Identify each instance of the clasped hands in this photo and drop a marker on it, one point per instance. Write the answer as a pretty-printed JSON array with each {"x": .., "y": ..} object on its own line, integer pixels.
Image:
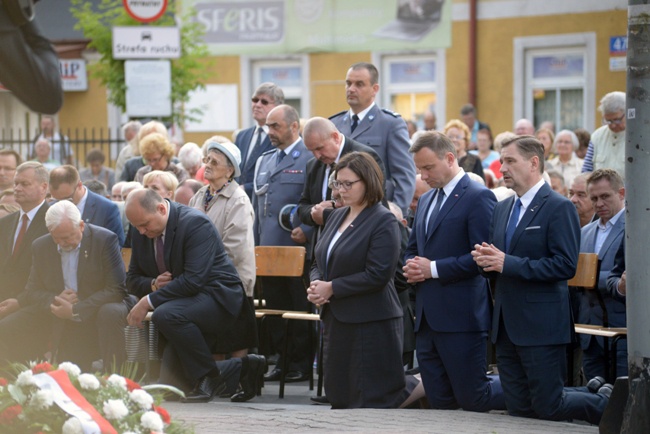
[
  {"x": 319, "y": 292},
  {"x": 61, "y": 307},
  {"x": 488, "y": 257},
  {"x": 417, "y": 269},
  {"x": 318, "y": 209}
]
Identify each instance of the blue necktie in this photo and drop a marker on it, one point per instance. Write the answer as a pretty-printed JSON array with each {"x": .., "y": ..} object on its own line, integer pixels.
[
  {"x": 512, "y": 223},
  {"x": 355, "y": 122},
  {"x": 440, "y": 197},
  {"x": 281, "y": 155}
]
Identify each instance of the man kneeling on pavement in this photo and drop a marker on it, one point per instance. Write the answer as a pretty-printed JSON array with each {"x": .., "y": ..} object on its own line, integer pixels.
[{"x": 181, "y": 271}]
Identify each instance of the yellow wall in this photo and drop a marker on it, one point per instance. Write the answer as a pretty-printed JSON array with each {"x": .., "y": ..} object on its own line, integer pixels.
[
  {"x": 494, "y": 86},
  {"x": 494, "y": 96}
]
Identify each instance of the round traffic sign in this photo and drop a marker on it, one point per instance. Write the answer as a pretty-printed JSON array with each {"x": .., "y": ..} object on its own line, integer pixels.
[{"x": 145, "y": 11}]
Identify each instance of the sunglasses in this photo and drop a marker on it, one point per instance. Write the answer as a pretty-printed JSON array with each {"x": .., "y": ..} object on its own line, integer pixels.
[{"x": 262, "y": 100}]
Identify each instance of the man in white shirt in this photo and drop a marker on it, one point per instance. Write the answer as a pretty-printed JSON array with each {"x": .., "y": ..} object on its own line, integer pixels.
[{"x": 600, "y": 306}]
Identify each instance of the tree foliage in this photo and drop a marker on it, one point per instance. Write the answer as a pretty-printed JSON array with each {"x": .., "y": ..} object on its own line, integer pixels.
[{"x": 188, "y": 72}]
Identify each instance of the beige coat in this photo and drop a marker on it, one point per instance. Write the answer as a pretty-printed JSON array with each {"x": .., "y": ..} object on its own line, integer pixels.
[{"x": 232, "y": 214}]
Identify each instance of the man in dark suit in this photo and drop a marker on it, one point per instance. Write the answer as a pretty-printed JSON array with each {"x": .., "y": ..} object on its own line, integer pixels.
[
  {"x": 531, "y": 252},
  {"x": 30, "y": 189},
  {"x": 381, "y": 129},
  {"x": 280, "y": 175},
  {"x": 181, "y": 270},
  {"x": 452, "y": 300},
  {"x": 74, "y": 299},
  {"x": 65, "y": 184},
  {"x": 606, "y": 191},
  {"x": 327, "y": 145},
  {"x": 254, "y": 141}
]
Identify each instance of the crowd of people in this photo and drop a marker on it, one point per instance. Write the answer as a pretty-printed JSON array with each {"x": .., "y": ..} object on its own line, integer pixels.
[{"x": 435, "y": 241}]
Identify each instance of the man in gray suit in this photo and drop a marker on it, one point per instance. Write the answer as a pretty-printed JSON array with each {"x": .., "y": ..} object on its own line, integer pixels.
[
  {"x": 280, "y": 175},
  {"x": 381, "y": 129},
  {"x": 606, "y": 190}
]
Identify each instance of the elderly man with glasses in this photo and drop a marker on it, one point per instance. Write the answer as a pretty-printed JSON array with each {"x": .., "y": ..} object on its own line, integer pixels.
[
  {"x": 607, "y": 146},
  {"x": 254, "y": 141}
]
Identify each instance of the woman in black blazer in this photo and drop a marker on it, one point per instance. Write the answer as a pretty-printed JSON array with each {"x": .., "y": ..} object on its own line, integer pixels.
[{"x": 352, "y": 280}]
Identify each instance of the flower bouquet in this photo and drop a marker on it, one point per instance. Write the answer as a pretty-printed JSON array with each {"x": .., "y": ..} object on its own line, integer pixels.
[{"x": 45, "y": 399}]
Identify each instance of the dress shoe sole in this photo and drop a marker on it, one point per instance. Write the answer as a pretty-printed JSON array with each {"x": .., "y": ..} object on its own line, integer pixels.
[
  {"x": 303, "y": 377},
  {"x": 257, "y": 370}
]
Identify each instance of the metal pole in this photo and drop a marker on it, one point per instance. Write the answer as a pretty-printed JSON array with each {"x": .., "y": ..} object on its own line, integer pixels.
[{"x": 636, "y": 418}]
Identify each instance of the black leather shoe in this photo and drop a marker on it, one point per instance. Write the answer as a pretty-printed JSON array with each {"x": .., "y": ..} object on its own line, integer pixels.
[
  {"x": 320, "y": 400},
  {"x": 274, "y": 375},
  {"x": 206, "y": 389},
  {"x": 606, "y": 390},
  {"x": 295, "y": 376},
  {"x": 595, "y": 383},
  {"x": 251, "y": 380}
]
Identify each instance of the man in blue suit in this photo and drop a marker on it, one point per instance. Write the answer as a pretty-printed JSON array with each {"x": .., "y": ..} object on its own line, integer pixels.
[
  {"x": 254, "y": 141},
  {"x": 381, "y": 129},
  {"x": 606, "y": 190},
  {"x": 452, "y": 299},
  {"x": 65, "y": 184},
  {"x": 280, "y": 175},
  {"x": 531, "y": 253}
]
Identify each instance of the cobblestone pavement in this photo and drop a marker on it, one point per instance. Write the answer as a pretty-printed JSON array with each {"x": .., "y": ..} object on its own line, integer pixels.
[{"x": 295, "y": 413}]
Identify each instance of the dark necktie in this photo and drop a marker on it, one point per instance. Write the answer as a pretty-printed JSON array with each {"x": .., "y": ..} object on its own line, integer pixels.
[
  {"x": 160, "y": 255},
  {"x": 281, "y": 155},
  {"x": 21, "y": 233},
  {"x": 258, "y": 142},
  {"x": 439, "y": 198},
  {"x": 355, "y": 122},
  {"x": 512, "y": 223}
]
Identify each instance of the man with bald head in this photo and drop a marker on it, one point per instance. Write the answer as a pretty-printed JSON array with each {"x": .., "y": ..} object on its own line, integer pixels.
[
  {"x": 280, "y": 175},
  {"x": 182, "y": 272},
  {"x": 524, "y": 127},
  {"x": 328, "y": 145}
]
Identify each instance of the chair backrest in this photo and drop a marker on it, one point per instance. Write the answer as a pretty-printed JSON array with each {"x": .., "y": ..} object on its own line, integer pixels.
[
  {"x": 126, "y": 257},
  {"x": 279, "y": 260},
  {"x": 587, "y": 271}
]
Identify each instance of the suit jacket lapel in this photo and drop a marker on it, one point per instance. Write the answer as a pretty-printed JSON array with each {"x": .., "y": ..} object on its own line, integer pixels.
[
  {"x": 84, "y": 253},
  {"x": 89, "y": 209},
  {"x": 350, "y": 231},
  {"x": 421, "y": 220},
  {"x": 170, "y": 233},
  {"x": 529, "y": 213},
  {"x": 451, "y": 201},
  {"x": 616, "y": 230}
]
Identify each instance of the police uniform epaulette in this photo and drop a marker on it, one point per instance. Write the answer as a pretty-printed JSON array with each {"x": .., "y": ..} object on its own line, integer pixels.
[
  {"x": 392, "y": 113},
  {"x": 271, "y": 151},
  {"x": 339, "y": 114}
]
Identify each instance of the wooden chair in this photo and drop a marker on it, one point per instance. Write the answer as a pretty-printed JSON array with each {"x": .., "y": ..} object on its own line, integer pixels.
[
  {"x": 282, "y": 261},
  {"x": 126, "y": 257},
  {"x": 289, "y": 316},
  {"x": 587, "y": 278}
]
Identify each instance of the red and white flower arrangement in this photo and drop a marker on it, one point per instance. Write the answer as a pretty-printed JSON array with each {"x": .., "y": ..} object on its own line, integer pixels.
[{"x": 48, "y": 399}]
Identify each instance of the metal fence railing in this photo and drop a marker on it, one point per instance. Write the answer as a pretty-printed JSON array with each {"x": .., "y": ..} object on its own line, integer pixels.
[{"x": 79, "y": 141}]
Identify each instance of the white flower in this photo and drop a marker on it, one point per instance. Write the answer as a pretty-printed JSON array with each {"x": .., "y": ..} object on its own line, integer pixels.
[
  {"x": 42, "y": 399},
  {"x": 72, "y": 369},
  {"x": 72, "y": 426},
  {"x": 117, "y": 380},
  {"x": 115, "y": 409},
  {"x": 142, "y": 398},
  {"x": 152, "y": 420},
  {"x": 88, "y": 382},
  {"x": 25, "y": 378}
]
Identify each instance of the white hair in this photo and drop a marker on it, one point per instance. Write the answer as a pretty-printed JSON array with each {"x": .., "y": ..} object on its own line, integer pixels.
[
  {"x": 128, "y": 187},
  {"x": 574, "y": 139},
  {"x": 190, "y": 155},
  {"x": 60, "y": 211},
  {"x": 613, "y": 102}
]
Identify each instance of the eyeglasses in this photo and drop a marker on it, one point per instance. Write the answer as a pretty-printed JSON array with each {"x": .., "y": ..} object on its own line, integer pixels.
[
  {"x": 212, "y": 162},
  {"x": 344, "y": 185},
  {"x": 262, "y": 100},
  {"x": 456, "y": 138},
  {"x": 615, "y": 121},
  {"x": 151, "y": 161}
]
